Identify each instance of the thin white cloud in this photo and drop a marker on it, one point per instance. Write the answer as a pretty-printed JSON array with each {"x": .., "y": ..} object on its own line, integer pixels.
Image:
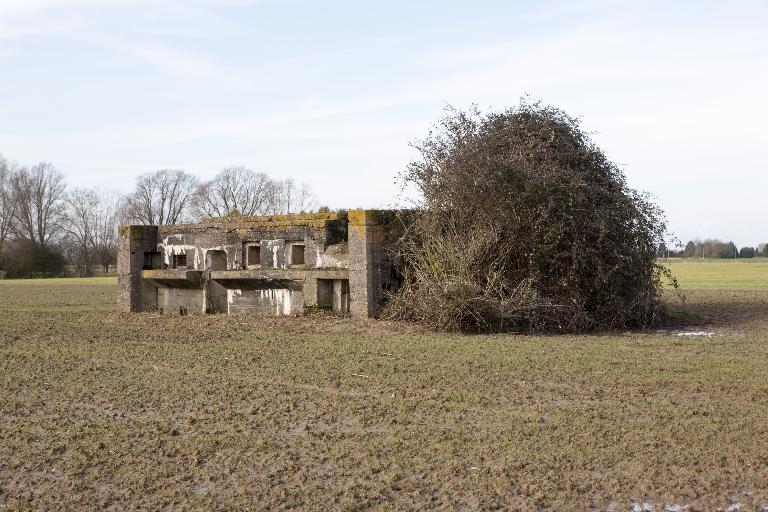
[
  {"x": 679, "y": 106},
  {"x": 161, "y": 55},
  {"x": 37, "y": 6},
  {"x": 25, "y": 18}
]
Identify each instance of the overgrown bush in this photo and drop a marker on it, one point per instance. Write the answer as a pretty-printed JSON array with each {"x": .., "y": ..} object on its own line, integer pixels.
[{"x": 524, "y": 224}]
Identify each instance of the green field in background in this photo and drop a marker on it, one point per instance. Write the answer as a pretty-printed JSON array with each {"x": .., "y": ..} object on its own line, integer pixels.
[
  {"x": 61, "y": 281},
  {"x": 693, "y": 274},
  {"x": 720, "y": 275}
]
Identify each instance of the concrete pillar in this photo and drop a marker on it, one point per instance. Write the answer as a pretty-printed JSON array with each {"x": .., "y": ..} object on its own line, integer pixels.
[
  {"x": 366, "y": 236},
  {"x": 340, "y": 296},
  {"x": 133, "y": 294},
  {"x": 310, "y": 290},
  {"x": 313, "y": 248}
]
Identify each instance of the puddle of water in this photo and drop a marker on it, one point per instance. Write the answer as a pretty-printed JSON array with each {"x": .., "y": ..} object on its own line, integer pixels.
[{"x": 696, "y": 333}]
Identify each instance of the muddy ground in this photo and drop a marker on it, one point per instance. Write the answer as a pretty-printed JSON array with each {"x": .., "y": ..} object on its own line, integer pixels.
[{"x": 100, "y": 410}]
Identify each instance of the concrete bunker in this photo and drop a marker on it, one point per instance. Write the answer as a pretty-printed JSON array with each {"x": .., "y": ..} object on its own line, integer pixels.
[{"x": 272, "y": 265}]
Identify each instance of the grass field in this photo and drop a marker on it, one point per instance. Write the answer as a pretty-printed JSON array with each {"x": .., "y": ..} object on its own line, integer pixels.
[
  {"x": 721, "y": 275},
  {"x": 100, "y": 410}
]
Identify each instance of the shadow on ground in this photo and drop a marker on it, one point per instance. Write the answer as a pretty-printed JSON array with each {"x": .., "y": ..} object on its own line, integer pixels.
[{"x": 745, "y": 311}]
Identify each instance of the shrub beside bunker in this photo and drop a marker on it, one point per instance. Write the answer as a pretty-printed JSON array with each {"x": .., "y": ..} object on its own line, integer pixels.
[{"x": 524, "y": 224}]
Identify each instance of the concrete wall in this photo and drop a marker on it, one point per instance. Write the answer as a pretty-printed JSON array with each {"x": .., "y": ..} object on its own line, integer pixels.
[
  {"x": 333, "y": 294},
  {"x": 371, "y": 271},
  {"x": 174, "y": 300},
  {"x": 267, "y": 302},
  {"x": 133, "y": 294},
  {"x": 347, "y": 249}
]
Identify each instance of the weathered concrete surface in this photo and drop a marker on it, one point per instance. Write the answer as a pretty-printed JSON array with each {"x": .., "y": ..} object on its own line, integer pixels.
[
  {"x": 173, "y": 278},
  {"x": 334, "y": 260},
  {"x": 267, "y": 302},
  {"x": 371, "y": 271},
  {"x": 181, "y": 300},
  {"x": 133, "y": 293}
]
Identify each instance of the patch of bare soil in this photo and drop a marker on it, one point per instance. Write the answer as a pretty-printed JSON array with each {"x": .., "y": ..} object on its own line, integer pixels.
[
  {"x": 744, "y": 312},
  {"x": 100, "y": 410}
]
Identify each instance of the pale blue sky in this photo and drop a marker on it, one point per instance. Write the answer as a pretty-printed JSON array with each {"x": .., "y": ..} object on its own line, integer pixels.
[{"x": 331, "y": 92}]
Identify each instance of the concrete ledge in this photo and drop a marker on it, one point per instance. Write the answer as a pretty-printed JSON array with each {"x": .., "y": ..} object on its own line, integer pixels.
[
  {"x": 174, "y": 278},
  {"x": 266, "y": 278}
]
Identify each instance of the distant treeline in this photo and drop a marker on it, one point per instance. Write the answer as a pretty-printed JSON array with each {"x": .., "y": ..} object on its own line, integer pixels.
[
  {"x": 50, "y": 229},
  {"x": 713, "y": 248}
]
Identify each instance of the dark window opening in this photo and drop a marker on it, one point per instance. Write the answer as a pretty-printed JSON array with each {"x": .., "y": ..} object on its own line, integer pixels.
[
  {"x": 297, "y": 254},
  {"x": 325, "y": 293},
  {"x": 152, "y": 260},
  {"x": 254, "y": 255},
  {"x": 179, "y": 261},
  {"x": 333, "y": 294}
]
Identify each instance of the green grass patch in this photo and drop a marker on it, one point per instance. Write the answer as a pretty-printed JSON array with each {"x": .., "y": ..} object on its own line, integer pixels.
[
  {"x": 720, "y": 275},
  {"x": 62, "y": 281},
  {"x": 59, "y": 295}
]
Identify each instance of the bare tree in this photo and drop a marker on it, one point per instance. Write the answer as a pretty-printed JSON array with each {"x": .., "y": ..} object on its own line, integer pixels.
[
  {"x": 91, "y": 229},
  {"x": 235, "y": 189},
  {"x": 80, "y": 226},
  {"x": 7, "y": 202},
  {"x": 38, "y": 194},
  {"x": 105, "y": 233},
  {"x": 290, "y": 197},
  {"x": 161, "y": 197}
]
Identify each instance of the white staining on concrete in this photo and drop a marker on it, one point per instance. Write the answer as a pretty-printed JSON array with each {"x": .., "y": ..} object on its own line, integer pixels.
[
  {"x": 275, "y": 301},
  {"x": 270, "y": 301},
  {"x": 196, "y": 254},
  {"x": 169, "y": 251},
  {"x": 335, "y": 256},
  {"x": 229, "y": 250},
  {"x": 232, "y": 294},
  {"x": 675, "y": 508}
]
